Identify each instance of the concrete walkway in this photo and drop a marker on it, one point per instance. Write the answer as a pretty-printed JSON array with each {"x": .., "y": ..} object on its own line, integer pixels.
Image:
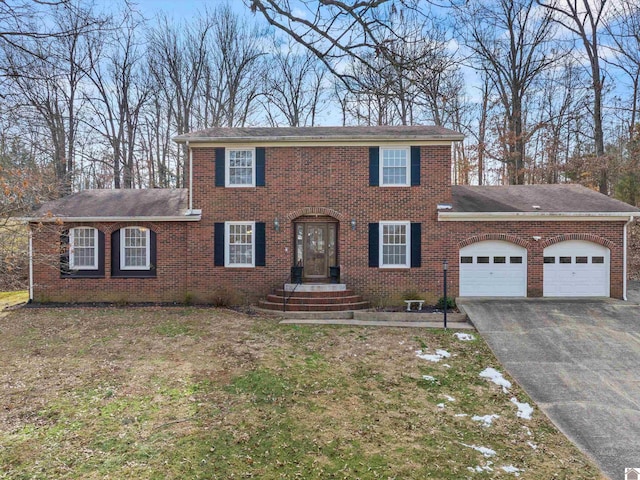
[{"x": 579, "y": 360}]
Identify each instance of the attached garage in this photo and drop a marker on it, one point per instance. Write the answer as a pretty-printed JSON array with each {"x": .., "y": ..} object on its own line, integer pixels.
[
  {"x": 493, "y": 268},
  {"x": 576, "y": 268}
]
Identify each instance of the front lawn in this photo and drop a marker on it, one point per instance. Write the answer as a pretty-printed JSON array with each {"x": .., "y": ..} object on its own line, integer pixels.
[{"x": 189, "y": 393}]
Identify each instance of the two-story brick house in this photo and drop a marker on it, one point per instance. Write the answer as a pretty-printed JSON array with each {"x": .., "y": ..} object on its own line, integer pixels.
[{"x": 372, "y": 208}]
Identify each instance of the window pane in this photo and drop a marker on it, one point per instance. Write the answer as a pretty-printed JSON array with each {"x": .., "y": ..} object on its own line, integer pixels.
[
  {"x": 483, "y": 260},
  {"x": 466, "y": 259},
  {"x": 241, "y": 244},
  {"x": 394, "y": 167},
  {"x": 499, "y": 260},
  {"x": 582, "y": 259},
  {"x": 565, "y": 260},
  {"x": 394, "y": 244},
  {"x": 83, "y": 248},
  {"x": 515, "y": 259},
  {"x": 135, "y": 247},
  {"x": 240, "y": 167},
  {"x": 597, "y": 259},
  {"x": 549, "y": 259}
]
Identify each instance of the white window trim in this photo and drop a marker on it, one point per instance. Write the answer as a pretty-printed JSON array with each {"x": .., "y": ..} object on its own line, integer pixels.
[
  {"x": 147, "y": 265},
  {"x": 227, "y": 249},
  {"x": 381, "y": 167},
  {"x": 72, "y": 246},
  {"x": 407, "y": 263},
  {"x": 227, "y": 167}
]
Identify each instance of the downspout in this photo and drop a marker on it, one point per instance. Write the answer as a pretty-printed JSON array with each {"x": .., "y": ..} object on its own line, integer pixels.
[
  {"x": 624, "y": 259},
  {"x": 190, "y": 178},
  {"x": 30, "y": 264}
]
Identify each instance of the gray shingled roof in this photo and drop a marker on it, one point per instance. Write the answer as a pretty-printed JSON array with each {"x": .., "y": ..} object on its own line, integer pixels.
[
  {"x": 257, "y": 134},
  {"x": 121, "y": 203},
  {"x": 522, "y": 198}
]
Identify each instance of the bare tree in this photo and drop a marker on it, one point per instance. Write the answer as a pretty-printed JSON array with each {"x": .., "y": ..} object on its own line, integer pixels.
[
  {"x": 510, "y": 43},
  {"x": 584, "y": 18},
  {"x": 294, "y": 85},
  {"x": 177, "y": 60},
  {"x": 122, "y": 88},
  {"x": 46, "y": 76},
  {"x": 624, "y": 31}
]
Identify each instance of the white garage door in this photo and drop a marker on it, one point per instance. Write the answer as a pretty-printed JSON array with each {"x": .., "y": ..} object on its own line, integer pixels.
[
  {"x": 493, "y": 269},
  {"x": 576, "y": 268}
]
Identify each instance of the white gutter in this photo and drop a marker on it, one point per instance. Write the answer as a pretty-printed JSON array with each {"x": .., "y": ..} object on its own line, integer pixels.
[
  {"x": 30, "y": 265},
  {"x": 195, "y": 216},
  {"x": 624, "y": 258},
  {"x": 529, "y": 216}
]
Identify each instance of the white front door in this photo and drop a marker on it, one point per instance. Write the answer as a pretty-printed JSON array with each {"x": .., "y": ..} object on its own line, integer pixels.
[
  {"x": 576, "y": 268},
  {"x": 493, "y": 268}
]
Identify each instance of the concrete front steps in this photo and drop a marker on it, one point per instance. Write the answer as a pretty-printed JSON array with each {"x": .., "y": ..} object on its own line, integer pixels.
[{"x": 314, "y": 298}]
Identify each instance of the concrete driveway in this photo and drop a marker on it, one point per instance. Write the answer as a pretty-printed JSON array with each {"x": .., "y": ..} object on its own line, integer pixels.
[{"x": 579, "y": 360}]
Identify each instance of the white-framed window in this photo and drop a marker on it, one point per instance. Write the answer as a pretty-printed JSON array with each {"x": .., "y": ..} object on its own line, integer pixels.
[
  {"x": 395, "y": 244},
  {"x": 135, "y": 248},
  {"x": 395, "y": 166},
  {"x": 83, "y": 248},
  {"x": 239, "y": 244},
  {"x": 240, "y": 167}
]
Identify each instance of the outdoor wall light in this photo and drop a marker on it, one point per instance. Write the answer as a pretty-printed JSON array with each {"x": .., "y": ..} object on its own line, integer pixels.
[
  {"x": 276, "y": 224},
  {"x": 353, "y": 224},
  {"x": 536, "y": 238}
]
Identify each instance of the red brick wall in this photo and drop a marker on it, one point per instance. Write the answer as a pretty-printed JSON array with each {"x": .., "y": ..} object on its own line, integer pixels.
[
  {"x": 323, "y": 180},
  {"x": 168, "y": 286},
  {"x": 333, "y": 180},
  {"x": 609, "y": 234}
]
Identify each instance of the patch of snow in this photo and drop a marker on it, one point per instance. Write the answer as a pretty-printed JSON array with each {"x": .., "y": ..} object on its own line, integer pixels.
[
  {"x": 440, "y": 405},
  {"x": 465, "y": 337},
  {"x": 439, "y": 355},
  {"x": 496, "y": 377},
  {"x": 446, "y": 365},
  {"x": 526, "y": 429},
  {"x": 480, "y": 469},
  {"x": 461, "y": 415},
  {"x": 524, "y": 409},
  {"x": 511, "y": 469},
  {"x": 429, "y": 378},
  {"x": 486, "y": 420},
  {"x": 487, "y": 452},
  {"x": 449, "y": 398},
  {"x": 532, "y": 445}
]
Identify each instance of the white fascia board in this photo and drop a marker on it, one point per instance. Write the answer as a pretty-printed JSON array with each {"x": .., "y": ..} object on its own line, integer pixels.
[
  {"x": 53, "y": 219},
  {"x": 535, "y": 216}
]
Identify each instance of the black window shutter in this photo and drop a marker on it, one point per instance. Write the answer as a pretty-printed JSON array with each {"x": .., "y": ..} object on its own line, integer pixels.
[
  {"x": 260, "y": 240},
  {"x": 218, "y": 245},
  {"x": 115, "y": 254},
  {"x": 260, "y": 167},
  {"x": 64, "y": 253},
  {"x": 220, "y": 167},
  {"x": 415, "y": 166},
  {"x": 416, "y": 245},
  {"x": 153, "y": 252},
  {"x": 374, "y": 166},
  {"x": 100, "y": 253},
  {"x": 374, "y": 253}
]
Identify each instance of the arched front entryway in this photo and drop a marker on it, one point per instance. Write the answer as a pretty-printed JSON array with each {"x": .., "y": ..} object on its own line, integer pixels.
[{"x": 315, "y": 247}]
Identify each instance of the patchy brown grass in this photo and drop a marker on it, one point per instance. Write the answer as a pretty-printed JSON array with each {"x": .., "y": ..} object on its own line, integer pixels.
[{"x": 209, "y": 393}]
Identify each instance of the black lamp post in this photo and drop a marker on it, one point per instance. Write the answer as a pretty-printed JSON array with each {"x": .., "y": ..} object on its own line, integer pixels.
[{"x": 445, "y": 266}]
